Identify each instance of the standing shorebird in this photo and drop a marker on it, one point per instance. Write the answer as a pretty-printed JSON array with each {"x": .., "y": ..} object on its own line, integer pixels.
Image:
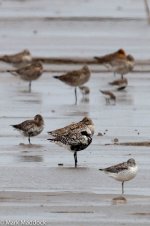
[
  {"x": 19, "y": 59},
  {"x": 74, "y": 141},
  {"x": 29, "y": 73},
  {"x": 109, "y": 96},
  {"x": 75, "y": 137},
  {"x": 85, "y": 90},
  {"x": 119, "y": 62},
  {"x": 76, "y": 78},
  {"x": 124, "y": 66},
  {"x": 122, "y": 172},
  {"x": 31, "y": 128},
  {"x": 120, "y": 83}
]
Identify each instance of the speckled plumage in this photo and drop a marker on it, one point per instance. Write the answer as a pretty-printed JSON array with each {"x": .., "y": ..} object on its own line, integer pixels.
[
  {"x": 85, "y": 124},
  {"x": 74, "y": 141},
  {"x": 74, "y": 137},
  {"x": 30, "y": 128}
]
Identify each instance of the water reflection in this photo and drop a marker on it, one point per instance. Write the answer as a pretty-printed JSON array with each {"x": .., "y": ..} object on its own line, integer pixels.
[
  {"x": 125, "y": 98},
  {"x": 30, "y": 158},
  {"x": 30, "y": 146},
  {"x": 26, "y": 97},
  {"x": 119, "y": 200},
  {"x": 85, "y": 100}
]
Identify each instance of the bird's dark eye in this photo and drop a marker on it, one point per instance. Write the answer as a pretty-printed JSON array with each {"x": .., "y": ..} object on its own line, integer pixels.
[{"x": 85, "y": 133}]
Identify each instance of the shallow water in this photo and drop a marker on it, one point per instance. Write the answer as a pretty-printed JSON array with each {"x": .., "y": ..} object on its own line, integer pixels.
[{"x": 33, "y": 185}]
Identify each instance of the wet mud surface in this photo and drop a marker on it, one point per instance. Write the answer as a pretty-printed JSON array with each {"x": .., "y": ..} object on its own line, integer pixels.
[{"x": 39, "y": 181}]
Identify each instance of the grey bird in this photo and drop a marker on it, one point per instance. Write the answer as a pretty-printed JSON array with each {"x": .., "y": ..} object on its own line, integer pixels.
[
  {"x": 30, "y": 128},
  {"x": 75, "y": 78},
  {"x": 18, "y": 59},
  {"x": 124, "y": 171},
  {"x": 29, "y": 73}
]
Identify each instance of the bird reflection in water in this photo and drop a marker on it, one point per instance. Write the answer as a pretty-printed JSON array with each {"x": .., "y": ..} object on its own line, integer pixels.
[
  {"x": 30, "y": 158},
  {"x": 119, "y": 200}
]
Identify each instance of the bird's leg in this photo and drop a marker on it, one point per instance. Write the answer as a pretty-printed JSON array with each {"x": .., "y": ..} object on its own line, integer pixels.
[
  {"x": 29, "y": 140},
  {"x": 75, "y": 158},
  {"x": 121, "y": 76},
  {"x": 106, "y": 100},
  {"x": 114, "y": 74},
  {"x": 122, "y": 187},
  {"x": 75, "y": 95},
  {"x": 29, "y": 86}
]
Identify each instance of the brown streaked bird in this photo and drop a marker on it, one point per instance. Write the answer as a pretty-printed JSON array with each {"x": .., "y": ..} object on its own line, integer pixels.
[
  {"x": 120, "y": 62},
  {"x": 124, "y": 66},
  {"x": 30, "y": 128},
  {"x": 109, "y": 58},
  {"x": 19, "y": 59},
  {"x": 29, "y": 73},
  {"x": 75, "y": 78},
  {"x": 85, "y": 124},
  {"x": 123, "y": 171},
  {"x": 120, "y": 83},
  {"x": 109, "y": 96},
  {"x": 74, "y": 141},
  {"x": 85, "y": 90}
]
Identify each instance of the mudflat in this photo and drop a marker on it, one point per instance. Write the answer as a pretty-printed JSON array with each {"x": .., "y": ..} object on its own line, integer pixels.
[{"x": 38, "y": 183}]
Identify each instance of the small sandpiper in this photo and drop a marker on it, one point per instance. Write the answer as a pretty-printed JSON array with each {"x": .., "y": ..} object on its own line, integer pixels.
[
  {"x": 74, "y": 141},
  {"x": 19, "y": 59},
  {"x": 85, "y": 90},
  {"x": 122, "y": 172},
  {"x": 76, "y": 78},
  {"x": 120, "y": 83},
  {"x": 109, "y": 96},
  {"x": 85, "y": 124},
  {"x": 29, "y": 73},
  {"x": 31, "y": 128}
]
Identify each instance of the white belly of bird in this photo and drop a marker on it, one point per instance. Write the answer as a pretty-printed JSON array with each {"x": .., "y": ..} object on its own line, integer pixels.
[
  {"x": 125, "y": 175},
  {"x": 27, "y": 58}
]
